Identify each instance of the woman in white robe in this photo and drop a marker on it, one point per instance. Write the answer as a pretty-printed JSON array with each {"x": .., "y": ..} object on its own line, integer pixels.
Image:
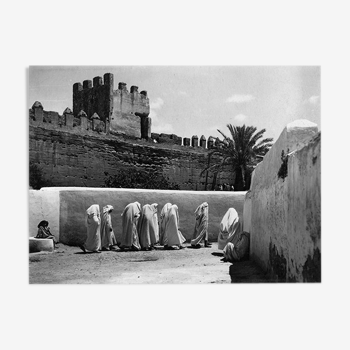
[
  {"x": 148, "y": 227},
  {"x": 162, "y": 237},
  {"x": 201, "y": 226},
  {"x": 155, "y": 238},
  {"x": 107, "y": 235},
  {"x": 236, "y": 252},
  {"x": 174, "y": 238},
  {"x": 230, "y": 228},
  {"x": 93, "y": 221},
  {"x": 130, "y": 237}
]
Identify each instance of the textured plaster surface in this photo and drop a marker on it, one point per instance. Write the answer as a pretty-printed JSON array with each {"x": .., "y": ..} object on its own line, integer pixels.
[
  {"x": 44, "y": 205},
  {"x": 82, "y": 158},
  {"x": 285, "y": 213},
  {"x": 73, "y": 203}
]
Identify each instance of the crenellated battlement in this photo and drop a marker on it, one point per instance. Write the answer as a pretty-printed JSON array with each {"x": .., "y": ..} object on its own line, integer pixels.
[
  {"x": 186, "y": 142},
  {"x": 97, "y": 107},
  {"x": 83, "y": 124},
  {"x": 125, "y": 112},
  {"x": 66, "y": 121}
]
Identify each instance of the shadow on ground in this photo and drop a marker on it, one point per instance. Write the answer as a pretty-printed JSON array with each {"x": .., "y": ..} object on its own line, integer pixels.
[{"x": 247, "y": 271}]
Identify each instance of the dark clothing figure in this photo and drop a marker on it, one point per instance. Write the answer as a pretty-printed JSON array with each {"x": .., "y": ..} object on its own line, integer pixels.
[
  {"x": 238, "y": 251},
  {"x": 44, "y": 231}
]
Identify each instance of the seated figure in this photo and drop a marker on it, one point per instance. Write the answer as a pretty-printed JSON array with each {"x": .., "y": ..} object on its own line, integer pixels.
[
  {"x": 236, "y": 252},
  {"x": 44, "y": 232}
]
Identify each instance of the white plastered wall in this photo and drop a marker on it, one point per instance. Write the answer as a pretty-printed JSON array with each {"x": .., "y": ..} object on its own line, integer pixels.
[{"x": 285, "y": 212}]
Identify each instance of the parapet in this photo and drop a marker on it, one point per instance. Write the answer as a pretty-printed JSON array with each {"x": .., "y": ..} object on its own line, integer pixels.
[
  {"x": 186, "y": 142},
  {"x": 108, "y": 80},
  {"x": 65, "y": 122}
]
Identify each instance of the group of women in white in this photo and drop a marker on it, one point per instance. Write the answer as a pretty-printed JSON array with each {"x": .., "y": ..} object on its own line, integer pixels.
[{"x": 141, "y": 230}]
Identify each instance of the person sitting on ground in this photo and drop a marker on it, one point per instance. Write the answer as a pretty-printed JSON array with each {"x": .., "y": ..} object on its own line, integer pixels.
[
  {"x": 240, "y": 250},
  {"x": 108, "y": 240},
  {"x": 93, "y": 221},
  {"x": 201, "y": 226},
  {"x": 44, "y": 232},
  {"x": 148, "y": 227},
  {"x": 174, "y": 237},
  {"x": 130, "y": 237},
  {"x": 230, "y": 227}
]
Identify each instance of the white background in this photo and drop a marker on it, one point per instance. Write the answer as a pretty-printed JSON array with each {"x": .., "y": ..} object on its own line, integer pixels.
[{"x": 276, "y": 316}]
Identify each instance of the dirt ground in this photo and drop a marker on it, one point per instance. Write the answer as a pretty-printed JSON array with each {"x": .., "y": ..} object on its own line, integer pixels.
[{"x": 69, "y": 265}]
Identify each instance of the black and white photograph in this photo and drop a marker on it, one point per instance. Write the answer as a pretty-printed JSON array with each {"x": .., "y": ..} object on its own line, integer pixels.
[
  {"x": 174, "y": 174},
  {"x": 169, "y": 174}
]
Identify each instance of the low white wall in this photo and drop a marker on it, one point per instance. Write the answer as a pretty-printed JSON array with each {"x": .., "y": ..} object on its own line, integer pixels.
[
  {"x": 285, "y": 213},
  {"x": 44, "y": 205},
  {"x": 73, "y": 202}
]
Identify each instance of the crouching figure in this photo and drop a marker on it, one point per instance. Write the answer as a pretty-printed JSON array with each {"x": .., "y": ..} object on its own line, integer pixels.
[{"x": 240, "y": 250}]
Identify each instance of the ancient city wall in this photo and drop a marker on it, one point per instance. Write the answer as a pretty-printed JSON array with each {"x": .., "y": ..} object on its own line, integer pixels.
[
  {"x": 82, "y": 158},
  {"x": 285, "y": 209},
  {"x": 73, "y": 202},
  {"x": 122, "y": 111}
]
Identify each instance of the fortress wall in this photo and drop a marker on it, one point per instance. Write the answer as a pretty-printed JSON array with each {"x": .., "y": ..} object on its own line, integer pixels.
[
  {"x": 285, "y": 212},
  {"x": 94, "y": 97},
  {"x": 73, "y": 203},
  {"x": 81, "y": 158}
]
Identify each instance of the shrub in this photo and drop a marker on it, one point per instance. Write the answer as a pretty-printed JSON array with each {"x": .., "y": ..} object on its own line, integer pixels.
[
  {"x": 36, "y": 177},
  {"x": 133, "y": 178}
]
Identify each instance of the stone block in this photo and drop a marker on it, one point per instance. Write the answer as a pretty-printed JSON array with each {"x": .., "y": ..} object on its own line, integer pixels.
[{"x": 40, "y": 245}]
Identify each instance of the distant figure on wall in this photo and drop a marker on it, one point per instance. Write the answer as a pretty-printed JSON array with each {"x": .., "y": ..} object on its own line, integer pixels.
[
  {"x": 148, "y": 227},
  {"x": 201, "y": 226},
  {"x": 230, "y": 228},
  {"x": 93, "y": 221},
  {"x": 107, "y": 235},
  {"x": 174, "y": 237},
  {"x": 130, "y": 237},
  {"x": 44, "y": 232},
  {"x": 232, "y": 188},
  {"x": 240, "y": 250}
]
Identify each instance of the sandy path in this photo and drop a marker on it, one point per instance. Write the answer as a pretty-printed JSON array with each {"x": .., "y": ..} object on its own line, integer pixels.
[{"x": 186, "y": 266}]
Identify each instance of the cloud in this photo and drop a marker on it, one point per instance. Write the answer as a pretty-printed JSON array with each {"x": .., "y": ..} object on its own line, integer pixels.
[
  {"x": 240, "y": 98},
  {"x": 314, "y": 100},
  {"x": 240, "y": 118},
  {"x": 183, "y": 93},
  {"x": 162, "y": 128},
  {"x": 157, "y": 125},
  {"x": 157, "y": 103}
]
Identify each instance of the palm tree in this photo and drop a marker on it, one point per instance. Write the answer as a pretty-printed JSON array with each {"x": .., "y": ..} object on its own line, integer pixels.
[{"x": 241, "y": 151}]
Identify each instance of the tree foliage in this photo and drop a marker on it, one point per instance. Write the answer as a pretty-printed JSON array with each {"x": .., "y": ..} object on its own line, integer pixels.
[
  {"x": 241, "y": 151},
  {"x": 133, "y": 178},
  {"x": 36, "y": 178}
]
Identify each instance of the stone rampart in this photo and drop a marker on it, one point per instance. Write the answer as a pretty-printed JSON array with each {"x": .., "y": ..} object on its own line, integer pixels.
[
  {"x": 125, "y": 112},
  {"x": 285, "y": 208},
  {"x": 75, "y": 157},
  {"x": 70, "y": 208}
]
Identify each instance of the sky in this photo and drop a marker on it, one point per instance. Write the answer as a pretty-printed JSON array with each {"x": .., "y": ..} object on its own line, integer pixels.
[{"x": 198, "y": 100}]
